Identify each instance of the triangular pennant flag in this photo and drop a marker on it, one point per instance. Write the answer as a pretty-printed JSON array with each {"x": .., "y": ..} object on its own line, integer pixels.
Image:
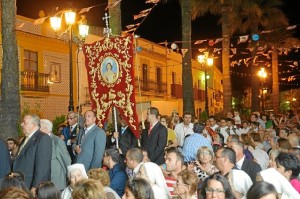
[
  {"x": 233, "y": 50},
  {"x": 243, "y": 39},
  {"x": 199, "y": 42},
  {"x": 218, "y": 40},
  {"x": 113, "y": 4},
  {"x": 266, "y": 31},
  {"x": 184, "y": 51},
  {"x": 202, "y": 49},
  {"x": 83, "y": 10},
  {"x": 291, "y": 27}
]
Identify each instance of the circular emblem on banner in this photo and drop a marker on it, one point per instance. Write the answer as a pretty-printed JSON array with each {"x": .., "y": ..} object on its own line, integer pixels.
[{"x": 109, "y": 70}]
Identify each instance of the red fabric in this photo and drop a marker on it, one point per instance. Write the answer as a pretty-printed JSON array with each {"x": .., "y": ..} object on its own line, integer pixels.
[{"x": 110, "y": 70}]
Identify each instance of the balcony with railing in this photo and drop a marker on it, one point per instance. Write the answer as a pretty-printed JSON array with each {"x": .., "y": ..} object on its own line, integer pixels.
[
  {"x": 34, "y": 81},
  {"x": 151, "y": 86},
  {"x": 176, "y": 91}
]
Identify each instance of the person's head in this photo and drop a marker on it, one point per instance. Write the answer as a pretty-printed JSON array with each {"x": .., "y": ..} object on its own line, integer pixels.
[
  {"x": 10, "y": 182},
  {"x": 99, "y": 174},
  {"x": 174, "y": 160},
  {"x": 76, "y": 173},
  {"x": 255, "y": 137},
  {"x": 152, "y": 115},
  {"x": 205, "y": 155},
  {"x": 13, "y": 192},
  {"x": 111, "y": 157},
  {"x": 17, "y": 174},
  {"x": 88, "y": 188},
  {"x": 238, "y": 148},
  {"x": 236, "y": 113},
  {"x": 245, "y": 124},
  {"x": 264, "y": 117},
  {"x": 232, "y": 138},
  {"x": 30, "y": 124},
  {"x": 225, "y": 159},
  {"x": 288, "y": 165},
  {"x": 198, "y": 128},
  {"x": 229, "y": 114},
  {"x": 294, "y": 140},
  {"x": 46, "y": 126},
  {"x": 272, "y": 158},
  {"x": 284, "y": 132},
  {"x": 216, "y": 186},
  {"x": 134, "y": 156},
  {"x": 296, "y": 152},
  {"x": 212, "y": 120},
  {"x": 165, "y": 120},
  {"x": 90, "y": 118},
  {"x": 175, "y": 117},
  {"x": 283, "y": 145},
  {"x": 187, "y": 118},
  {"x": 138, "y": 188},
  {"x": 145, "y": 156},
  {"x": 12, "y": 144},
  {"x": 72, "y": 118},
  {"x": 262, "y": 190},
  {"x": 254, "y": 117},
  {"x": 246, "y": 140},
  {"x": 186, "y": 183},
  {"x": 223, "y": 122},
  {"x": 108, "y": 66},
  {"x": 229, "y": 122},
  {"x": 47, "y": 190},
  {"x": 122, "y": 121}
]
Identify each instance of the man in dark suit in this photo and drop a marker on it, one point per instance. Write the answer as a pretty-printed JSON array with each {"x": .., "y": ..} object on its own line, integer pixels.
[
  {"x": 70, "y": 132},
  {"x": 5, "y": 159},
  {"x": 154, "y": 139},
  {"x": 34, "y": 155},
  {"x": 90, "y": 143},
  {"x": 126, "y": 140},
  {"x": 249, "y": 166}
]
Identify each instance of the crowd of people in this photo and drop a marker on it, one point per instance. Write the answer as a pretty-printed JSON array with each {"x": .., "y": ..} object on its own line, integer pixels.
[{"x": 174, "y": 157}]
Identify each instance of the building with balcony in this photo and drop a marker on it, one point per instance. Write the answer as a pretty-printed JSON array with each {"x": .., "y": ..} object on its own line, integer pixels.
[{"x": 44, "y": 73}]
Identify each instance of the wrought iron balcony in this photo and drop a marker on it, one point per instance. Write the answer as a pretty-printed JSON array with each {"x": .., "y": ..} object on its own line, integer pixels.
[
  {"x": 34, "y": 81},
  {"x": 151, "y": 86}
]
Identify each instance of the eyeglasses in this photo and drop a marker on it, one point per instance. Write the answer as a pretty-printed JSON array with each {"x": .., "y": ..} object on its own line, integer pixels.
[
  {"x": 211, "y": 191},
  {"x": 70, "y": 118}
]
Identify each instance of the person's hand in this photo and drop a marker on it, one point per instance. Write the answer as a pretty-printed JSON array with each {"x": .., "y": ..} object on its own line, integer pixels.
[
  {"x": 116, "y": 135},
  {"x": 190, "y": 166},
  {"x": 77, "y": 149},
  {"x": 32, "y": 190}
]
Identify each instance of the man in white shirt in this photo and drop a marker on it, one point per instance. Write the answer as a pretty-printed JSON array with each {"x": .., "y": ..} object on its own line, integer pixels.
[
  {"x": 149, "y": 171},
  {"x": 183, "y": 129}
]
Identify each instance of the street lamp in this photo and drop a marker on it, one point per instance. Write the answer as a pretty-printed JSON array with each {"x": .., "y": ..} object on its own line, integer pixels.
[
  {"x": 262, "y": 75},
  {"x": 70, "y": 17},
  {"x": 205, "y": 62}
]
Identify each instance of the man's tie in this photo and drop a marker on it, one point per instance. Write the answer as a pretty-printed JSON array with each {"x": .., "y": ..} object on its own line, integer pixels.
[
  {"x": 123, "y": 130},
  {"x": 84, "y": 135},
  {"x": 23, "y": 145}
]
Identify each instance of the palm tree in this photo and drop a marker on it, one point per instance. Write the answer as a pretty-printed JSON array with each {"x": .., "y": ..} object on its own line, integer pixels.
[
  {"x": 256, "y": 16},
  {"x": 115, "y": 16},
  {"x": 10, "y": 93},
  {"x": 187, "y": 77},
  {"x": 223, "y": 7}
]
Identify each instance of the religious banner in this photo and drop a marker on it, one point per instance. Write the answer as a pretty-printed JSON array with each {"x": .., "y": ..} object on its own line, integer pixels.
[{"x": 110, "y": 70}]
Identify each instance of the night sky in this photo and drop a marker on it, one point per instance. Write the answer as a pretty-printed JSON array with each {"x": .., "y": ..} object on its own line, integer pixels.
[{"x": 164, "y": 24}]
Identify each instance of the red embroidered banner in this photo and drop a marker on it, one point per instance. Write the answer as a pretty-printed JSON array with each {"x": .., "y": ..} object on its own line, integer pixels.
[{"x": 110, "y": 69}]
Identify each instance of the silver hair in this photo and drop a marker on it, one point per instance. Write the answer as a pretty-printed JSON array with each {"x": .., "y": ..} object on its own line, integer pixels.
[{"x": 47, "y": 124}]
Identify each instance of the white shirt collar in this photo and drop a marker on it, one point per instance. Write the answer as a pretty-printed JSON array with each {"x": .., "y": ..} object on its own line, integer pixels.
[{"x": 240, "y": 162}]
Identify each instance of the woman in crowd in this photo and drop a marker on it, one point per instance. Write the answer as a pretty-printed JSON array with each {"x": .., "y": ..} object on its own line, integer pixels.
[
  {"x": 283, "y": 145},
  {"x": 203, "y": 166},
  {"x": 272, "y": 156},
  {"x": 165, "y": 120},
  {"x": 47, "y": 190},
  {"x": 138, "y": 188},
  {"x": 88, "y": 189},
  {"x": 76, "y": 173},
  {"x": 186, "y": 185},
  {"x": 262, "y": 190},
  {"x": 216, "y": 186},
  {"x": 102, "y": 175}
]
